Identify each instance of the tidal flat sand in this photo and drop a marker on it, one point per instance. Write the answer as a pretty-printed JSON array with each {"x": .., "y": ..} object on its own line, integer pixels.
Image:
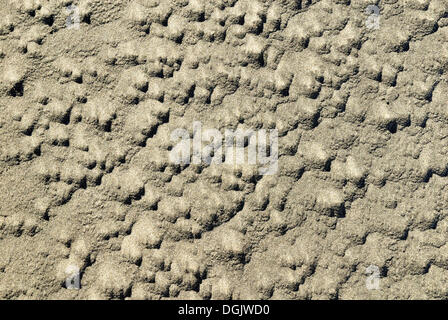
[{"x": 94, "y": 206}]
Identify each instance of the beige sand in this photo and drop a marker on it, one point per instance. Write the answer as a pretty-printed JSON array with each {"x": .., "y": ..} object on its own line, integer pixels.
[{"x": 356, "y": 210}]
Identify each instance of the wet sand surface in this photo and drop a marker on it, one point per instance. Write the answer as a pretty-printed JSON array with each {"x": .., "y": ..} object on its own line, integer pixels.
[{"x": 91, "y": 92}]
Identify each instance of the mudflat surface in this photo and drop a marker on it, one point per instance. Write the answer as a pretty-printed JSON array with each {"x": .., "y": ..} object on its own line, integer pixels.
[{"x": 356, "y": 210}]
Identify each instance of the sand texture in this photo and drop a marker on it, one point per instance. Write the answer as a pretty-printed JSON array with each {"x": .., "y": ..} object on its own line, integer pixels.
[{"x": 356, "y": 210}]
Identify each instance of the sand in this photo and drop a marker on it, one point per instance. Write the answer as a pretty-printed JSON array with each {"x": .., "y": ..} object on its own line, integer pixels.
[{"x": 93, "y": 207}]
